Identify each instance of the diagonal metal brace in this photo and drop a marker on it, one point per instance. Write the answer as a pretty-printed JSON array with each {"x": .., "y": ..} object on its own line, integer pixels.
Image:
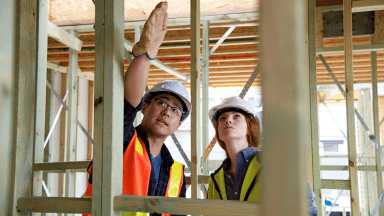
[
  {"x": 365, "y": 126},
  {"x": 185, "y": 157},
  {"x": 66, "y": 108}
]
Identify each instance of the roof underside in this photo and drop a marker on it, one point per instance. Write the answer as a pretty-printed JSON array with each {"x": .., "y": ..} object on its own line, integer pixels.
[{"x": 230, "y": 65}]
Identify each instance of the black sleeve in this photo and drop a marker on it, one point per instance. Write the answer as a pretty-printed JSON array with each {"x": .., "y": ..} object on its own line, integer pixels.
[
  {"x": 129, "y": 130},
  {"x": 129, "y": 117}
]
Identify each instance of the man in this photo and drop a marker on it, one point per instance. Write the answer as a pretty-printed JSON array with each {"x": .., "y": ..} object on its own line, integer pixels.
[{"x": 148, "y": 167}]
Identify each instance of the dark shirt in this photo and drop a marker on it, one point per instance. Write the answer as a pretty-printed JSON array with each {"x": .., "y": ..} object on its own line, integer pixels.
[
  {"x": 233, "y": 184},
  {"x": 157, "y": 187},
  {"x": 156, "y": 164}
]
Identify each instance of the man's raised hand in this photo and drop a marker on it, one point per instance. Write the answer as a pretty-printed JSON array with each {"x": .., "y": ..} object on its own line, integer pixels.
[{"x": 153, "y": 32}]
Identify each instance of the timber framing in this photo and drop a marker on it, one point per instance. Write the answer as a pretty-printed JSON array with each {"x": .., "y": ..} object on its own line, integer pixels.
[{"x": 98, "y": 50}]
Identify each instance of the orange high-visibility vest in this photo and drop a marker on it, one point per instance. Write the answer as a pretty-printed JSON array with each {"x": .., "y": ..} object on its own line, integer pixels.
[{"x": 137, "y": 172}]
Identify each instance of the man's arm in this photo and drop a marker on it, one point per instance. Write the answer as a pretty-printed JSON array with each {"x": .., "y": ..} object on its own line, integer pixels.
[{"x": 136, "y": 76}]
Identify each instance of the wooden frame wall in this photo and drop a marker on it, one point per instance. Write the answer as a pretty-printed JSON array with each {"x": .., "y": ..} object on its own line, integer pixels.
[{"x": 109, "y": 84}]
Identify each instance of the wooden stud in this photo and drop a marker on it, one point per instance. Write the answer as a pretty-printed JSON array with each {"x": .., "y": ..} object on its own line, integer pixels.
[
  {"x": 319, "y": 28},
  {"x": 286, "y": 103},
  {"x": 63, "y": 36},
  {"x": 26, "y": 70},
  {"x": 49, "y": 117},
  {"x": 376, "y": 126},
  {"x": 70, "y": 177},
  {"x": 205, "y": 91},
  {"x": 139, "y": 115},
  {"x": 347, "y": 14},
  {"x": 379, "y": 27},
  {"x": 90, "y": 118},
  {"x": 364, "y": 109},
  {"x": 63, "y": 135},
  {"x": 41, "y": 94},
  {"x": 97, "y": 164},
  {"x": 195, "y": 97},
  {"x": 109, "y": 90},
  {"x": 315, "y": 39}
]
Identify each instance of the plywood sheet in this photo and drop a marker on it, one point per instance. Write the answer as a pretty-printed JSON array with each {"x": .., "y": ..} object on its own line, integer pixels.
[{"x": 70, "y": 10}]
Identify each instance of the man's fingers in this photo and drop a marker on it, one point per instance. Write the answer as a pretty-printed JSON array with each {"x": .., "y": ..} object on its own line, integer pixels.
[{"x": 165, "y": 21}]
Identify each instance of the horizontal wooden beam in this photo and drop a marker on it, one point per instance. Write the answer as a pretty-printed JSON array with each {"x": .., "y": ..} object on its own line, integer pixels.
[
  {"x": 356, "y": 48},
  {"x": 59, "y": 167},
  {"x": 203, "y": 179},
  {"x": 185, "y": 206},
  {"x": 345, "y": 168},
  {"x": 357, "y": 6},
  {"x": 177, "y": 21},
  {"x": 336, "y": 184},
  {"x": 54, "y": 205},
  {"x": 367, "y": 5},
  {"x": 61, "y": 69},
  {"x": 63, "y": 37}
]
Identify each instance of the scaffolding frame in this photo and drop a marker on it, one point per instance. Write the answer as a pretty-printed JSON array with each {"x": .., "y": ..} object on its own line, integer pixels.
[{"x": 106, "y": 183}]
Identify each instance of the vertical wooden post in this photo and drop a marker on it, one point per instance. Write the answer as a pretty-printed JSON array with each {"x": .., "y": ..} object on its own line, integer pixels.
[
  {"x": 205, "y": 89},
  {"x": 139, "y": 115},
  {"x": 369, "y": 195},
  {"x": 286, "y": 102},
  {"x": 40, "y": 94},
  {"x": 49, "y": 117},
  {"x": 70, "y": 177},
  {"x": 26, "y": 100},
  {"x": 8, "y": 98},
  {"x": 109, "y": 90},
  {"x": 63, "y": 135},
  {"x": 352, "y": 156},
  {"x": 90, "y": 118},
  {"x": 319, "y": 27},
  {"x": 379, "y": 27},
  {"x": 313, "y": 26},
  {"x": 195, "y": 97},
  {"x": 376, "y": 123}
]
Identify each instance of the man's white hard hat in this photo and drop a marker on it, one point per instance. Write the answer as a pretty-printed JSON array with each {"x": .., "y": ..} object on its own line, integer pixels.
[
  {"x": 174, "y": 88},
  {"x": 234, "y": 103}
]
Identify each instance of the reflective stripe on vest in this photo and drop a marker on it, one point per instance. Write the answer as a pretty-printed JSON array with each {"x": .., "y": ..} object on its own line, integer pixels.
[{"x": 250, "y": 190}]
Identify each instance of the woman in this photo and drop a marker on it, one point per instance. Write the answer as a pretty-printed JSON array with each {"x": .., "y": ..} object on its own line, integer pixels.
[{"x": 238, "y": 133}]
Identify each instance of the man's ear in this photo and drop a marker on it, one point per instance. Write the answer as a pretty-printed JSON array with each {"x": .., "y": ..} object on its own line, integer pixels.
[{"x": 145, "y": 107}]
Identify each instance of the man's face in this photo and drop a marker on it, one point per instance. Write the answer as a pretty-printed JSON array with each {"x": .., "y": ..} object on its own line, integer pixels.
[{"x": 162, "y": 115}]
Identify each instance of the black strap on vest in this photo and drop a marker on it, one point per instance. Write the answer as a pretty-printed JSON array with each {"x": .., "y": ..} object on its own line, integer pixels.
[
  {"x": 252, "y": 186},
  {"x": 216, "y": 185}
]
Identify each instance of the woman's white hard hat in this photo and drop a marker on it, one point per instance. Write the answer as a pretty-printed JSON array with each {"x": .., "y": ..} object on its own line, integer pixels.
[
  {"x": 231, "y": 102},
  {"x": 173, "y": 87}
]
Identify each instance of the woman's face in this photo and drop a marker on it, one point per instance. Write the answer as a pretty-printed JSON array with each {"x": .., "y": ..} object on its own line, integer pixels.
[{"x": 232, "y": 125}]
